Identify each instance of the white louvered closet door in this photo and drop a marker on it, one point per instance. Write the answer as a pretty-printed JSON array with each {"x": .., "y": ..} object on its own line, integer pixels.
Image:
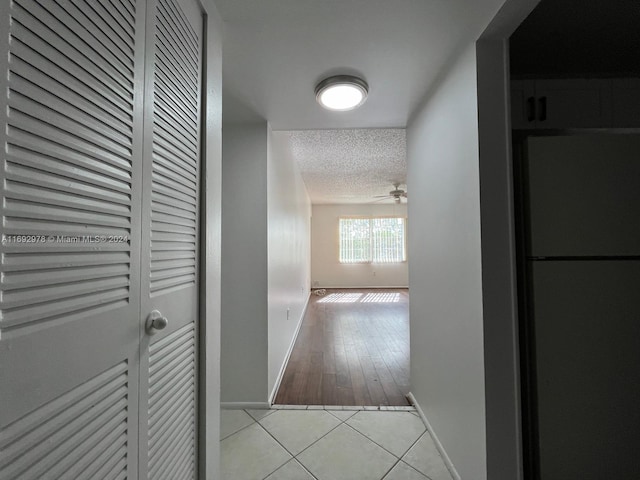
[
  {"x": 71, "y": 206},
  {"x": 99, "y": 209},
  {"x": 170, "y": 239}
]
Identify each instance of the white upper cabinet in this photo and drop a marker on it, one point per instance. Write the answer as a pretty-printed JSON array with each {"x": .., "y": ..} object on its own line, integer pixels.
[{"x": 575, "y": 103}]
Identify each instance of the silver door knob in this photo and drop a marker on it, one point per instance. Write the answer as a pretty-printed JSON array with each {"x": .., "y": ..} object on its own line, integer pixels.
[{"x": 155, "y": 321}]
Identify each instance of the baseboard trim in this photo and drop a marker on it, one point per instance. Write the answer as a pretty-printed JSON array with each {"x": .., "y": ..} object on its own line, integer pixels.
[
  {"x": 283, "y": 367},
  {"x": 447, "y": 461},
  {"x": 245, "y": 405}
]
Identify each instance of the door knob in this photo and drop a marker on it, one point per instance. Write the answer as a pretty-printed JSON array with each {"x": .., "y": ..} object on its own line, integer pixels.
[{"x": 155, "y": 321}]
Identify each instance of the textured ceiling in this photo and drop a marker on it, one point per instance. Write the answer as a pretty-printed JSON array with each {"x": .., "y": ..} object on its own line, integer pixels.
[{"x": 349, "y": 166}]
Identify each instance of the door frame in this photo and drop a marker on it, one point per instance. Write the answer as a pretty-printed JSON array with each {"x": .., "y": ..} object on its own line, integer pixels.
[
  {"x": 499, "y": 273},
  {"x": 208, "y": 400}
]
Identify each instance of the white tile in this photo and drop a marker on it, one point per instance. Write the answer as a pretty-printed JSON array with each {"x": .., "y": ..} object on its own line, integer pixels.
[
  {"x": 296, "y": 429},
  {"x": 232, "y": 421},
  {"x": 251, "y": 454},
  {"x": 291, "y": 470},
  {"x": 342, "y": 414},
  {"x": 402, "y": 471},
  {"x": 424, "y": 456},
  {"x": 259, "y": 414},
  {"x": 395, "y": 431},
  {"x": 344, "y": 454}
]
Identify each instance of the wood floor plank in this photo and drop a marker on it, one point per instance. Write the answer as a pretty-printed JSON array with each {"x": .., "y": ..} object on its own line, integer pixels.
[{"x": 352, "y": 349}]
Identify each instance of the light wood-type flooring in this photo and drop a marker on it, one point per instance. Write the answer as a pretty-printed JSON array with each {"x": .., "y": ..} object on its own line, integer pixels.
[{"x": 352, "y": 349}]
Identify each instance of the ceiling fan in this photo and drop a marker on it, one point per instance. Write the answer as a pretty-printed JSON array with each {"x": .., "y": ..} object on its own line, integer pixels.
[{"x": 397, "y": 194}]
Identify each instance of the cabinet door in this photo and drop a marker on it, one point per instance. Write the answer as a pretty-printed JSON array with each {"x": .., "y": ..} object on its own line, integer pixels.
[
  {"x": 71, "y": 203},
  {"x": 522, "y": 104},
  {"x": 573, "y": 103},
  {"x": 626, "y": 102}
]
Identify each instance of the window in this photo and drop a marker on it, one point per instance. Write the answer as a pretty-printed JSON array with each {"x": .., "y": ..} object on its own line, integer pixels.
[{"x": 372, "y": 240}]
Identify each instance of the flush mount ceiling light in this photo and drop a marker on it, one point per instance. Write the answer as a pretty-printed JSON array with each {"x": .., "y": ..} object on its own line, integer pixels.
[{"x": 342, "y": 92}]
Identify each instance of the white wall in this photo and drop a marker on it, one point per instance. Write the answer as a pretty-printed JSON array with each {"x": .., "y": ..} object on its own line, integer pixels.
[
  {"x": 244, "y": 263},
  {"x": 289, "y": 216},
  {"x": 447, "y": 371},
  {"x": 265, "y": 259},
  {"x": 327, "y": 271}
]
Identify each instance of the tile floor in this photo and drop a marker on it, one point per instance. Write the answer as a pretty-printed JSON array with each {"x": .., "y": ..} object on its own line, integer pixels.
[{"x": 328, "y": 443}]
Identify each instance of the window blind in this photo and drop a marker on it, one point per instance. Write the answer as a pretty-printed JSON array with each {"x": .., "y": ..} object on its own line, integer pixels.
[{"x": 372, "y": 240}]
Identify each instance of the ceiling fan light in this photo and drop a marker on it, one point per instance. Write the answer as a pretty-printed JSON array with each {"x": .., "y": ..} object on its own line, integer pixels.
[{"x": 341, "y": 93}]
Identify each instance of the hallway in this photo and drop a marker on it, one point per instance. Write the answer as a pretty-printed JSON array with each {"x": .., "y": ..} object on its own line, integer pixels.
[
  {"x": 352, "y": 349},
  {"x": 311, "y": 443}
]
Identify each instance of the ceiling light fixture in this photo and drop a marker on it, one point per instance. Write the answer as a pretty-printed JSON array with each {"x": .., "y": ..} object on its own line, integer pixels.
[{"x": 341, "y": 92}]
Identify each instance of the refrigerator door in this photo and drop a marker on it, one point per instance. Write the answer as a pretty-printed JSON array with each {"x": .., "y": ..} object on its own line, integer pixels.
[
  {"x": 583, "y": 195},
  {"x": 586, "y": 322}
]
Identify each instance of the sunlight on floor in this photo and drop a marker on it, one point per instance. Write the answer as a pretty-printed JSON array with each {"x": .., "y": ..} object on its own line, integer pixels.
[
  {"x": 341, "y": 298},
  {"x": 381, "y": 298},
  {"x": 357, "y": 297}
]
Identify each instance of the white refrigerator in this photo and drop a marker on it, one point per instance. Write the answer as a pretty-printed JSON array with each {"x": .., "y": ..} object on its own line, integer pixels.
[{"x": 581, "y": 318}]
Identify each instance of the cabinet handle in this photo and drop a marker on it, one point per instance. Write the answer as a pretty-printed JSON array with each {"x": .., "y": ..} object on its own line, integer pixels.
[
  {"x": 531, "y": 109},
  {"x": 542, "y": 101}
]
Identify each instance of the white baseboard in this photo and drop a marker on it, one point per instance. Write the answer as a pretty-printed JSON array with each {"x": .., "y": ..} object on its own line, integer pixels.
[
  {"x": 441, "y": 450},
  {"x": 245, "y": 405},
  {"x": 283, "y": 367}
]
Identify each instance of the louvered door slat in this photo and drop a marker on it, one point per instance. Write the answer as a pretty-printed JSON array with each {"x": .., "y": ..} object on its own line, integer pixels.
[
  {"x": 99, "y": 37},
  {"x": 171, "y": 425},
  {"x": 30, "y": 447},
  {"x": 186, "y": 133},
  {"x": 174, "y": 53},
  {"x": 60, "y": 70},
  {"x": 125, "y": 8},
  {"x": 164, "y": 176},
  {"x": 23, "y": 72},
  {"x": 26, "y": 25},
  {"x": 171, "y": 16},
  {"x": 46, "y": 133},
  {"x": 110, "y": 27},
  {"x": 113, "y": 201},
  {"x": 190, "y": 36}
]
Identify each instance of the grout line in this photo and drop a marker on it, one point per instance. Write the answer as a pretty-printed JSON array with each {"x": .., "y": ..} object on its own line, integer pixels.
[
  {"x": 371, "y": 440},
  {"x": 389, "y": 471},
  {"x": 243, "y": 428},
  {"x": 285, "y": 449},
  {"x": 316, "y": 441}
]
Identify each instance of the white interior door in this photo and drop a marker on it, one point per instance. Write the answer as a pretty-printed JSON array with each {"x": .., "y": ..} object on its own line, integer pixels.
[
  {"x": 71, "y": 207},
  {"x": 170, "y": 239},
  {"x": 100, "y": 181}
]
